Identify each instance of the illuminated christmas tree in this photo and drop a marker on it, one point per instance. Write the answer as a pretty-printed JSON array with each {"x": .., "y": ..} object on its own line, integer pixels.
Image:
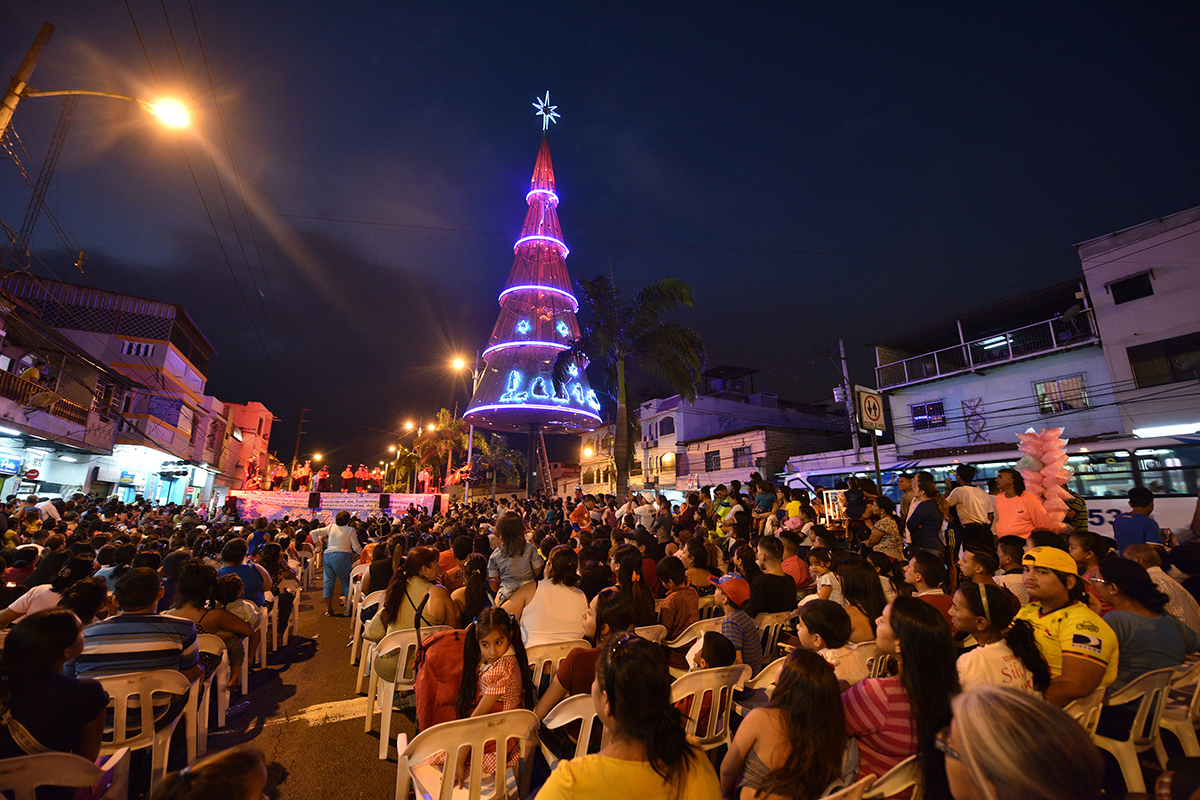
[{"x": 537, "y": 322}]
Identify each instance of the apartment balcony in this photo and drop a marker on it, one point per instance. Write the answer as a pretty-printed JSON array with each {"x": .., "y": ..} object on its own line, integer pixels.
[
  {"x": 1018, "y": 344},
  {"x": 20, "y": 390}
]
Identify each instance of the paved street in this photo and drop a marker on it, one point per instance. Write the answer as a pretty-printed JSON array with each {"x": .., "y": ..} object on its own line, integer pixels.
[{"x": 305, "y": 716}]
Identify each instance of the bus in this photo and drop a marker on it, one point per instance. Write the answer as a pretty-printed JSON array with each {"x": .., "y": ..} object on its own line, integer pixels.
[{"x": 1104, "y": 473}]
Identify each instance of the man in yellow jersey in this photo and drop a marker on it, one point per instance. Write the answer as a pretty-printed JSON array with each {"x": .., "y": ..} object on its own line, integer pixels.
[{"x": 1079, "y": 646}]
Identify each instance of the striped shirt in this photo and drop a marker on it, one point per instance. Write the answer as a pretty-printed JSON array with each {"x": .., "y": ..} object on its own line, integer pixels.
[
  {"x": 136, "y": 643},
  {"x": 879, "y": 715},
  {"x": 737, "y": 627}
]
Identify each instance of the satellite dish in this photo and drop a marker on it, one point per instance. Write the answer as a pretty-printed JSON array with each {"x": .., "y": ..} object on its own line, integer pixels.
[
  {"x": 1072, "y": 312},
  {"x": 41, "y": 400}
]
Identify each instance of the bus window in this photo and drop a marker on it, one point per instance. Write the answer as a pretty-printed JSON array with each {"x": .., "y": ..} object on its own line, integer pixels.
[
  {"x": 1102, "y": 474},
  {"x": 1171, "y": 470}
]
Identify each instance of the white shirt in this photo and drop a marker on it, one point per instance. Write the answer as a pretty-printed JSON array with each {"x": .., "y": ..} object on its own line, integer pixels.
[
  {"x": 338, "y": 539},
  {"x": 47, "y": 509},
  {"x": 974, "y": 504},
  {"x": 555, "y": 614},
  {"x": 39, "y": 598},
  {"x": 994, "y": 665},
  {"x": 1181, "y": 605},
  {"x": 645, "y": 515},
  {"x": 1015, "y": 583}
]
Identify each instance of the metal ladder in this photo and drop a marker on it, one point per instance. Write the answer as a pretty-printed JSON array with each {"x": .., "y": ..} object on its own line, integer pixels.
[{"x": 546, "y": 482}]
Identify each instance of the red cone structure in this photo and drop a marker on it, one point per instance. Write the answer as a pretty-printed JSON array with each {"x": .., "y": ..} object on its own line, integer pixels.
[{"x": 537, "y": 322}]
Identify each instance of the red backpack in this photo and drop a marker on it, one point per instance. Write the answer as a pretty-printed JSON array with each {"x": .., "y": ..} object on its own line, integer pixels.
[{"x": 439, "y": 674}]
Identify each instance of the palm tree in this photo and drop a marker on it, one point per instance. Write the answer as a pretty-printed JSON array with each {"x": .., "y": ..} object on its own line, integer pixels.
[
  {"x": 437, "y": 444},
  {"x": 620, "y": 334},
  {"x": 403, "y": 466},
  {"x": 499, "y": 459}
]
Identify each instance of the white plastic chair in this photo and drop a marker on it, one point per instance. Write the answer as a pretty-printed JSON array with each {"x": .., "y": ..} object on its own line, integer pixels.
[
  {"x": 690, "y": 634},
  {"x": 1179, "y": 718},
  {"x": 880, "y": 666},
  {"x": 900, "y": 777},
  {"x": 761, "y": 685},
  {"x": 718, "y": 685},
  {"x": 293, "y": 627},
  {"x": 472, "y": 734},
  {"x": 212, "y": 644},
  {"x": 24, "y": 774},
  {"x": 544, "y": 658},
  {"x": 581, "y": 708},
  {"x": 136, "y": 690},
  {"x": 366, "y": 646},
  {"x": 404, "y": 643},
  {"x": 307, "y": 558},
  {"x": 709, "y": 608},
  {"x": 655, "y": 633},
  {"x": 357, "y": 626},
  {"x": 770, "y": 626},
  {"x": 1151, "y": 690},
  {"x": 356, "y": 574},
  {"x": 853, "y": 792},
  {"x": 1086, "y": 710}
]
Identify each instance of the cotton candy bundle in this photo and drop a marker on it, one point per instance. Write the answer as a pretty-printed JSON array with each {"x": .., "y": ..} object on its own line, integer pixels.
[{"x": 1054, "y": 476}]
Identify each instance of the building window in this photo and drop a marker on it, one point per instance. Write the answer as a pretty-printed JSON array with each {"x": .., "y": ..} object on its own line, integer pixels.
[
  {"x": 926, "y": 416},
  {"x": 742, "y": 458},
  {"x": 666, "y": 426},
  {"x": 1133, "y": 288},
  {"x": 712, "y": 461},
  {"x": 260, "y": 426},
  {"x": 1061, "y": 394},
  {"x": 1167, "y": 361},
  {"x": 139, "y": 349}
]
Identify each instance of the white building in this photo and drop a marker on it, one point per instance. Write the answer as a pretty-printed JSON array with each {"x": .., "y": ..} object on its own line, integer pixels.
[
  {"x": 725, "y": 404},
  {"x": 1144, "y": 284},
  {"x": 973, "y": 383}
]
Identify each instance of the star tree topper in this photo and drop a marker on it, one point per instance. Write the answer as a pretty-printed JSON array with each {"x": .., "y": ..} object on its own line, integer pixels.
[{"x": 546, "y": 111}]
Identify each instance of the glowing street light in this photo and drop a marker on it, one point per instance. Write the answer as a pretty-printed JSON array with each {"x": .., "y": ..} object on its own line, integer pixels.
[
  {"x": 316, "y": 456},
  {"x": 171, "y": 112},
  {"x": 588, "y": 452},
  {"x": 391, "y": 448},
  {"x": 458, "y": 363},
  {"x": 408, "y": 426}
]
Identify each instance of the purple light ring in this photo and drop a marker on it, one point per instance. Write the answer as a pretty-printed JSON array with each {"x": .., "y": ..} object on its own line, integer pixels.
[
  {"x": 505, "y": 345},
  {"x": 550, "y": 192},
  {"x": 540, "y": 238},
  {"x": 539, "y": 407},
  {"x": 539, "y": 287}
]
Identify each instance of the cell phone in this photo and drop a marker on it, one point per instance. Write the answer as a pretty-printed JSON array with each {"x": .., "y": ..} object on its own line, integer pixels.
[{"x": 237, "y": 529}]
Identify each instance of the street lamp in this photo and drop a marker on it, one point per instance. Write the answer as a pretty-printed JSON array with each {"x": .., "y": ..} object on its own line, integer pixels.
[
  {"x": 588, "y": 452},
  {"x": 476, "y": 373},
  {"x": 169, "y": 111}
]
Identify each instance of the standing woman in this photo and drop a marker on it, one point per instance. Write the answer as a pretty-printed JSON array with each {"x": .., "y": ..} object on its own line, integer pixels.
[
  {"x": 648, "y": 755},
  {"x": 896, "y": 717},
  {"x": 926, "y": 519},
  {"x": 341, "y": 547}
]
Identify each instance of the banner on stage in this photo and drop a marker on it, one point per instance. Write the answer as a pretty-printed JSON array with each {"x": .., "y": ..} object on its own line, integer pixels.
[{"x": 277, "y": 505}]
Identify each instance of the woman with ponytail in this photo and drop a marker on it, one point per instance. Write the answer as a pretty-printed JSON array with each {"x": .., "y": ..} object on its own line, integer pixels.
[
  {"x": 627, "y": 567},
  {"x": 648, "y": 755},
  {"x": 1007, "y": 654},
  {"x": 473, "y": 596},
  {"x": 40, "y": 708},
  {"x": 405, "y": 599}
]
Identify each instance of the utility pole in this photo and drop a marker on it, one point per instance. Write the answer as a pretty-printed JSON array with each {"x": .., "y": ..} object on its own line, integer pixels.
[
  {"x": 849, "y": 402},
  {"x": 13, "y": 95},
  {"x": 299, "y": 432}
]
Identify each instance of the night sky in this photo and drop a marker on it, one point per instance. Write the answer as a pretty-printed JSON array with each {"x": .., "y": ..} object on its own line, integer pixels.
[{"x": 851, "y": 171}]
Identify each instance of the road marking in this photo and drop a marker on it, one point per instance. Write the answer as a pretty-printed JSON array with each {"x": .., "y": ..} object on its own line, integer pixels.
[{"x": 325, "y": 713}]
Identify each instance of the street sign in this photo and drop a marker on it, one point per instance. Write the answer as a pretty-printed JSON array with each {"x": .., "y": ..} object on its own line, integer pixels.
[
  {"x": 32, "y": 474},
  {"x": 870, "y": 409}
]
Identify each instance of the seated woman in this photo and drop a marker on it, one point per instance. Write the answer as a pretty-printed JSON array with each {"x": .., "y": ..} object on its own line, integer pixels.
[
  {"x": 405, "y": 595},
  {"x": 193, "y": 597},
  {"x": 473, "y": 596},
  {"x": 695, "y": 557},
  {"x": 47, "y": 595},
  {"x": 1007, "y": 654},
  {"x": 255, "y": 580},
  {"x": 1006, "y": 745},
  {"x": 896, "y": 717},
  {"x": 59, "y": 713},
  {"x": 283, "y": 578},
  {"x": 1147, "y": 638},
  {"x": 648, "y": 755},
  {"x": 551, "y": 610},
  {"x": 795, "y": 745},
  {"x": 863, "y": 598},
  {"x": 626, "y": 564}
]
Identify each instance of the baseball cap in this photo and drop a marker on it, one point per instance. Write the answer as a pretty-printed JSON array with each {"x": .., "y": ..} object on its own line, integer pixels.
[
  {"x": 734, "y": 587},
  {"x": 1051, "y": 558}
]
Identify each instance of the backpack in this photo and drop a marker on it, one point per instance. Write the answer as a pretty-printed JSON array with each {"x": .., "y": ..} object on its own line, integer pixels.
[{"x": 439, "y": 675}]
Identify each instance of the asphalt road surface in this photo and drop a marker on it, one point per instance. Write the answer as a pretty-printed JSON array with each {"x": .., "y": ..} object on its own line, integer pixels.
[{"x": 305, "y": 716}]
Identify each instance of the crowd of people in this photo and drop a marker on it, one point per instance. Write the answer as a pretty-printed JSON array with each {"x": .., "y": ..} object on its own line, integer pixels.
[{"x": 952, "y": 627}]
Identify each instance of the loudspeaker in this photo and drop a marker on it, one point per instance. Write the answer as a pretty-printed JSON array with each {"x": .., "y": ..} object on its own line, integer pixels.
[
  {"x": 385, "y": 501},
  {"x": 314, "y": 499},
  {"x": 437, "y": 504}
]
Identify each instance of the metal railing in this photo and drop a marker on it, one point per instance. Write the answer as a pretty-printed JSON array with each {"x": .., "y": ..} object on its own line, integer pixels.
[
  {"x": 1014, "y": 345},
  {"x": 17, "y": 388}
]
